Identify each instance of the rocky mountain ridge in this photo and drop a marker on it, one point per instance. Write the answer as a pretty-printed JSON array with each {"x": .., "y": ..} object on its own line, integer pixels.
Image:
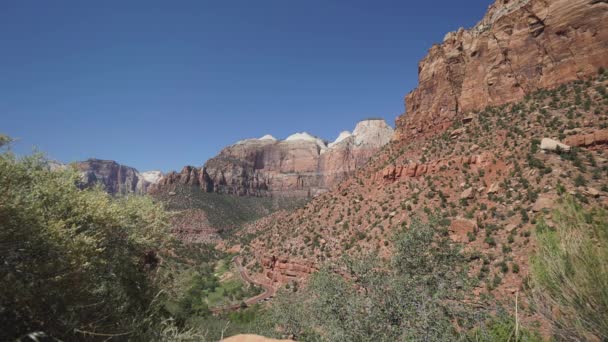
[
  {"x": 518, "y": 47},
  {"x": 301, "y": 165},
  {"x": 116, "y": 178}
]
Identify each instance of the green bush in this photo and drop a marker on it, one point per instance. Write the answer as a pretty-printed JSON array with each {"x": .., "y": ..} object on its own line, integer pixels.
[
  {"x": 75, "y": 263},
  {"x": 570, "y": 272},
  {"x": 502, "y": 328}
]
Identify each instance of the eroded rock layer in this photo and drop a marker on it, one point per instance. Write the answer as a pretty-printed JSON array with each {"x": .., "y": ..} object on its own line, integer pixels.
[
  {"x": 301, "y": 165},
  {"x": 518, "y": 47},
  {"x": 114, "y": 177}
]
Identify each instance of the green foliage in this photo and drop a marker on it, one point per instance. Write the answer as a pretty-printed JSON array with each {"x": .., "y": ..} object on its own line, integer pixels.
[
  {"x": 192, "y": 301},
  {"x": 417, "y": 298},
  {"x": 194, "y": 288},
  {"x": 75, "y": 262},
  {"x": 570, "y": 272},
  {"x": 515, "y": 268},
  {"x": 5, "y": 140},
  {"x": 580, "y": 180},
  {"x": 501, "y": 329}
]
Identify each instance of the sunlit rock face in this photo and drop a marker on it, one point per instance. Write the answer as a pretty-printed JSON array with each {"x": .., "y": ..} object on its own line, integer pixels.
[
  {"x": 116, "y": 178},
  {"x": 301, "y": 165},
  {"x": 518, "y": 47}
]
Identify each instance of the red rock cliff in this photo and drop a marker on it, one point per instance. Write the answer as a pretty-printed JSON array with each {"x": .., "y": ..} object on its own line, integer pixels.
[
  {"x": 299, "y": 166},
  {"x": 115, "y": 178},
  {"x": 518, "y": 47}
]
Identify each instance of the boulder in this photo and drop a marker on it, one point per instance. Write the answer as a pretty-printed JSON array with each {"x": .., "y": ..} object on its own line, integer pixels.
[
  {"x": 553, "y": 145},
  {"x": 467, "y": 194},
  {"x": 457, "y": 132},
  {"x": 494, "y": 188},
  {"x": 591, "y": 192},
  {"x": 460, "y": 228},
  {"x": 544, "y": 202}
]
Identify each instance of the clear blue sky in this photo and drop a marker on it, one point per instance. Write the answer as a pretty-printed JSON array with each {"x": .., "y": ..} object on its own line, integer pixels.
[{"x": 161, "y": 84}]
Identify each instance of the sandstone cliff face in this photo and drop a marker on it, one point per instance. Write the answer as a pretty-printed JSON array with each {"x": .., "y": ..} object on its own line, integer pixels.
[
  {"x": 301, "y": 165},
  {"x": 518, "y": 47},
  {"x": 116, "y": 178}
]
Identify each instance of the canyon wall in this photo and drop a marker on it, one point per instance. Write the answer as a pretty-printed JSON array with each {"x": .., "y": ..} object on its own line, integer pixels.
[
  {"x": 518, "y": 47},
  {"x": 116, "y": 178},
  {"x": 301, "y": 165}
]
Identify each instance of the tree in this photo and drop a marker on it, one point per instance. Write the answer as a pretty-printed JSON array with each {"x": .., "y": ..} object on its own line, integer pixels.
[{"x": 76, "y": 263}]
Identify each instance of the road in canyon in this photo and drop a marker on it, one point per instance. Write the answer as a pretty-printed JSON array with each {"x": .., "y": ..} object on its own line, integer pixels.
[{"x": 268, "y": 293}]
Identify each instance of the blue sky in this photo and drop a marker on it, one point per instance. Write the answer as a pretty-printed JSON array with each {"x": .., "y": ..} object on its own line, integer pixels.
[{"x": 161, "y": 84}]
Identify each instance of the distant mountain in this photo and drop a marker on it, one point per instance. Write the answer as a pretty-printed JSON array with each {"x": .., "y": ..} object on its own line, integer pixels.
[
  {"x": 300, "y": 166},
  {"x": 116, "y": 178},
  {"x": 256, "y": 177}
]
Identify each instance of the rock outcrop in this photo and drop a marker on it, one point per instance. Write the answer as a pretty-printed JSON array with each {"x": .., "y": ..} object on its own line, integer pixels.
[
  {"x": 553, "y": 145},
  {"x": 411, "y": 170},
  {"x": 152, "y": 177},
  {"x": 518, "y": 47},
  {"x": 596, "y": 138},
  {"x": 116, "y": 178},
  {"x": 301, "y": 165},
  {"x": 283, "y": 270}
]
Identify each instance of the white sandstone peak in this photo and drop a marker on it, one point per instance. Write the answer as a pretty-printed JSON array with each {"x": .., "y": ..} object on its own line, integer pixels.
[
  {"x": 152, "y": 176},
  {"x": 375, "y": 132},
  {"x": 265, "y": 139},
  {"x": 268, "y": 137},
  {"x": 304, "y": 136},
  {"x": 343, "y": 135},
  {"x": 301, "y": 136}
]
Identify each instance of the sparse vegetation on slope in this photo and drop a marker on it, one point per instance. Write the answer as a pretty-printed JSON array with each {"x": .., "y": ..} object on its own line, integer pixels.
[
  {"x": 225, "y": 213},
  {"x": 420, "y": 295},
  {"x": 487, "y": 177}
]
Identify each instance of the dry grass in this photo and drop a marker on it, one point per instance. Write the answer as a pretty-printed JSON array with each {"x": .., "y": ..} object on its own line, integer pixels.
[{"x": 570, "y": 272}]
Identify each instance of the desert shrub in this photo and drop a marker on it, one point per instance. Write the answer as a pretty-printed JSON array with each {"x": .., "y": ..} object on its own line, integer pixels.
[
  {"x": 417, "y": 298},
  {"x": 76, "y": 263},
  {"x": 502, "y": 328},
  {"x": 570, "y": 272}
]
